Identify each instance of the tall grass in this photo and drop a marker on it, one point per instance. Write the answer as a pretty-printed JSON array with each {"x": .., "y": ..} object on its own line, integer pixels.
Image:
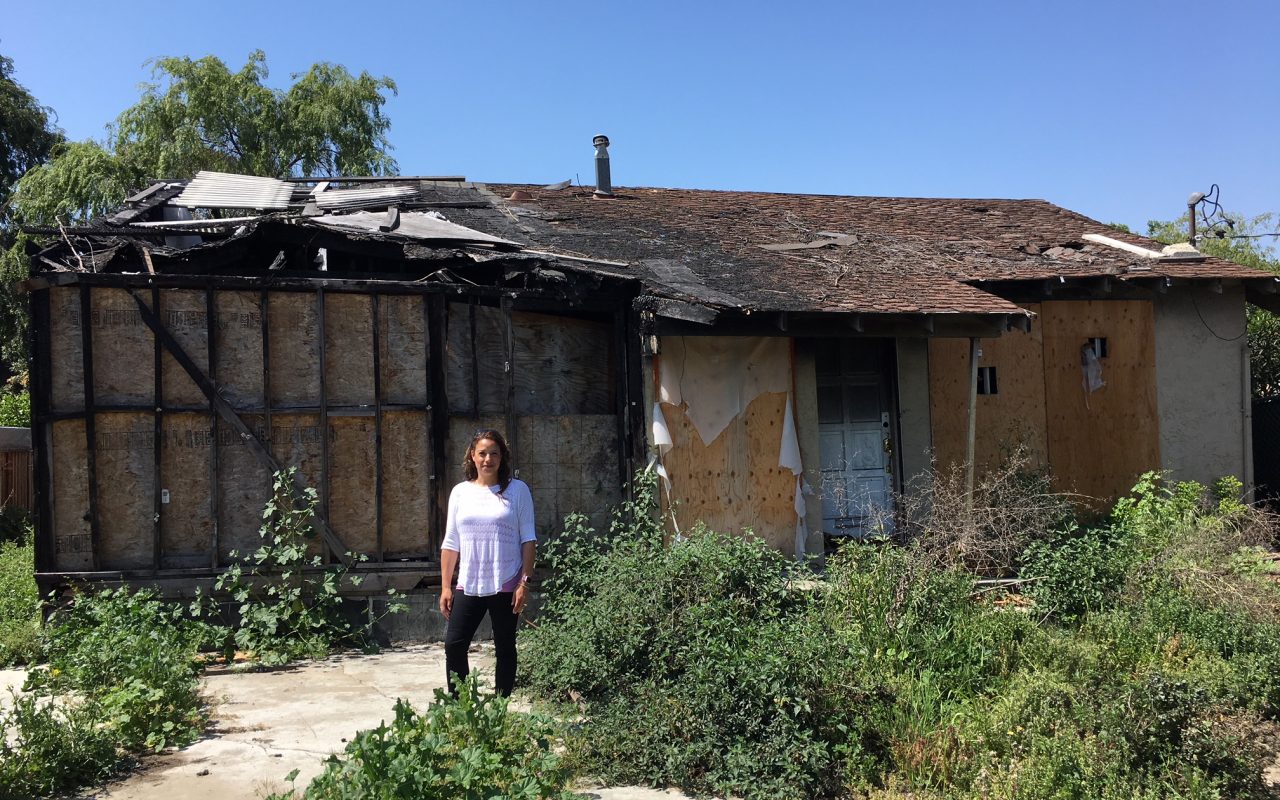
[{"x": 19, "y": 603}]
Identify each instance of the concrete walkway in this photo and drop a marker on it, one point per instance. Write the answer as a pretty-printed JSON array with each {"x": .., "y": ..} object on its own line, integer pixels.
[{"x": 265, "y": 724}]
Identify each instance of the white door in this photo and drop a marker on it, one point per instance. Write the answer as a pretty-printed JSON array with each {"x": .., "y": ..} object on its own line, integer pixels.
[{"x": 856, "y": 438}]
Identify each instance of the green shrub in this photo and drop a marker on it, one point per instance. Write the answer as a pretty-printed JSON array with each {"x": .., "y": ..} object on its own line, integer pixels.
[
  {"x": 133, "y": 656},
  {"x": 15, "y": 409},
  {"x": 287, "y": 600},
  {"x": 19, "y": 604},
  {"x": 1079, "y": 570},
  {"x": 49, "y": 749},
  {"x": 472, "y": 747},
  {"x": 120, "y": 678},
  {"x": 710, "y": 662}
]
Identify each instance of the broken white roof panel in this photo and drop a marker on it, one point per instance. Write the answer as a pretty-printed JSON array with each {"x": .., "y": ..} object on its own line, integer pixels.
[
  {"x": 419, "y": 225},
  {"x": 360, "y": 198},
  {"x": 226, "y": 190}
]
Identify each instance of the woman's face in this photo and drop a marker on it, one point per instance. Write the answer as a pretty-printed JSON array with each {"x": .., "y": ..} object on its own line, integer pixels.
[{"x": 486, "y": 455}]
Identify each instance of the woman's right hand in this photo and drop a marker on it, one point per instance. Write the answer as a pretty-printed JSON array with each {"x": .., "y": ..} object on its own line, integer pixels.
[{"x": 446, "y": 601}]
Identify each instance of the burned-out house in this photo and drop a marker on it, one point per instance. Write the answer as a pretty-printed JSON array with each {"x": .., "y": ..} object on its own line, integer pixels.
[{"x": 786, "y": 362}]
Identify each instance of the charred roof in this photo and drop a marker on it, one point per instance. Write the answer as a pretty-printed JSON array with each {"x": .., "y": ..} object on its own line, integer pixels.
[{"x": 749, "y": 251}]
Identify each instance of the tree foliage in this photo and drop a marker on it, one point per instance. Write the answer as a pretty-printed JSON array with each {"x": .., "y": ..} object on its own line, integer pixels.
[
  {"x": 204, "y": 116},
  {"x": 1243, "y": 246},
  {"x": 28, "y": 137},
  {"x": 198, "y": 114},
  {"x": 27, "y": 132}
]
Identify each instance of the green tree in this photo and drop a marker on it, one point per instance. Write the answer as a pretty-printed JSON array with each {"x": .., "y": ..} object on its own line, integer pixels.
[
  {"x": 1243, "y": 245},
  {"x": 27, "y": 132},
  {"x": 198, "y": 114},
  {"x": 28, "y": 136}
]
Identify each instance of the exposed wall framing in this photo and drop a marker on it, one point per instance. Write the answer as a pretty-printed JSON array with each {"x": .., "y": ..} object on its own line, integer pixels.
[{"x": 163, "y": 416}]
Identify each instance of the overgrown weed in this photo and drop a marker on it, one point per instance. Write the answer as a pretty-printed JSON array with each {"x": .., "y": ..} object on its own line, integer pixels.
[
  {"x": 1150, "y": 655},
  {"x": 288, "y": 602},
  {"x": 470, "y": 746},
  {"x": 19, "y": 603}
]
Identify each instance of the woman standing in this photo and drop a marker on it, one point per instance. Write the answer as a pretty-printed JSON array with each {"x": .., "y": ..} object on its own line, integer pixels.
[{"x": 486, "y": 559}]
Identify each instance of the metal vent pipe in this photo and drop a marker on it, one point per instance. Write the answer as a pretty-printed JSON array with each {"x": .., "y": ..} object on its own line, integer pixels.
[{"x": 604, "y": 184}]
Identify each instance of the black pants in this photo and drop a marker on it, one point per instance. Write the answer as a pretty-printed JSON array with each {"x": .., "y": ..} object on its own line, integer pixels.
[{"x": 468, "y": 613}]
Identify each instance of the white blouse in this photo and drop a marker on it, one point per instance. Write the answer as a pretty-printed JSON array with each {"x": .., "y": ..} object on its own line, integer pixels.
[{"x": 487, "y": 530}]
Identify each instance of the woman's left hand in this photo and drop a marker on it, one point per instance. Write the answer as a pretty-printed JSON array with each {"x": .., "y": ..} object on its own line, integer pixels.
[{"x": 518, "y": 598}]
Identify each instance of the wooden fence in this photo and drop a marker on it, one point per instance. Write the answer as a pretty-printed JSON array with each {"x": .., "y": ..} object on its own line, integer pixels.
[{"x": 17, "y": 487}]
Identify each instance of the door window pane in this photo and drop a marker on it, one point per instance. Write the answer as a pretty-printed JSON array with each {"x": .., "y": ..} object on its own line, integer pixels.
[
  {"x": 829, "y": 410},
  {"x": 863, "y": 402}
]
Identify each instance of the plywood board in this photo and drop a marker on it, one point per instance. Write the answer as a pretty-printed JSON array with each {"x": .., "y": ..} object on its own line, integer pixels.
[
  {"x": 352, "y": 484},
  {"x": 1100, "y": 442},
  {"x": 73, "y": 543},
  {"x": 571, "y": 465},
  {"x": 734, "y": 483},
  {"x": 294, "y": 341},
  {"x": 238, "y": 339},
  {"x": 488, "y": 351},
  {"x": 244, "y": 486},
  {"x": 562, "y": 365},
  {"x": 66, "y": 379},
  {"x": 125, "y": 461},
  {"x": 406, "y": 483},
  {"x": 348, "y": 349},
  {"x": 1013, "y": 419},
  {"x": 184, "y": 315},
  {"x": 402, "y": 341},
  {"x": 186, "y": 521},
  {"x": 123, "y": 353}
]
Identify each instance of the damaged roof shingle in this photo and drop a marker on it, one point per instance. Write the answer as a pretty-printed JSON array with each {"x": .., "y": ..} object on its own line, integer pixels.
[{"x": 762, "y": 251}]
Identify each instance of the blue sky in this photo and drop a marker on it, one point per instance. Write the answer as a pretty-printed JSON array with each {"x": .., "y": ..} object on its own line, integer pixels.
[{"x": 1117, "y": 109}]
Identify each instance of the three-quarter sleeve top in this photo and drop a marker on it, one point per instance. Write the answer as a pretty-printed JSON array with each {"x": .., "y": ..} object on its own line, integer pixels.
[{"x": 488, "y": 529}]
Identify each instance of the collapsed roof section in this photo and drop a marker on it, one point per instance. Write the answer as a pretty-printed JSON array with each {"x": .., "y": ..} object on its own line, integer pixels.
[{"x": 695, "y": 256}]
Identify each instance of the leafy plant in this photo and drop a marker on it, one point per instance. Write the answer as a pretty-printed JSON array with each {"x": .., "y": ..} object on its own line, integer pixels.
[
  {"x": 19, "y": 603},
  {"x": 120, "y": 678},
  {"x": 288, "y": 601},
  {"x": 135, "y": 657},
  {"x": 711, "y": 663},
  {"x": 15, "y": 409},
  {"x": 469, "y": 747},
  {"x": 48, "y": 749}
]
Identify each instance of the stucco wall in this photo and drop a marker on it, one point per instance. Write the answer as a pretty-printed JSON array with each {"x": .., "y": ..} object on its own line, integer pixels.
[
  {"x": 913, "y": 411},
  {"x": 1202, "y": 383}
]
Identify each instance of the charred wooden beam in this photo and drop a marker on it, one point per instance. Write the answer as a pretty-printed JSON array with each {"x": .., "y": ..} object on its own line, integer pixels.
[
  {"x": 475, "y": 362},
  {"x": 42, "y": 430},
  {"x": 689, "y": 312},
  {"x": 225, "y": 410},
  {"x": 157, "y": 420},
  {"x": 434, "y": 310},
  {"x": 509, "y": 369},
  {"x": 322, "y": 335},
  {"x": 90, "y": 415},
  {"x": 377, "y": 423},
  {"x": 215, "y": 486}
]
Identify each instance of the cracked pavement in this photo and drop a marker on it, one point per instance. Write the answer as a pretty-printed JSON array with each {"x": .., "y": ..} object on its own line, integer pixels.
[{"x": 265, "y": 724}]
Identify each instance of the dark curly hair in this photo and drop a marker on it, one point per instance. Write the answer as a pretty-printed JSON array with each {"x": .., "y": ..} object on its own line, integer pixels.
[{"x": 504, "y": 465}]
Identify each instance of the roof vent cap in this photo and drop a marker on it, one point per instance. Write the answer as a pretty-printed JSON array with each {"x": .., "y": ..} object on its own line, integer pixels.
[{"x": 604, "y": 183}]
